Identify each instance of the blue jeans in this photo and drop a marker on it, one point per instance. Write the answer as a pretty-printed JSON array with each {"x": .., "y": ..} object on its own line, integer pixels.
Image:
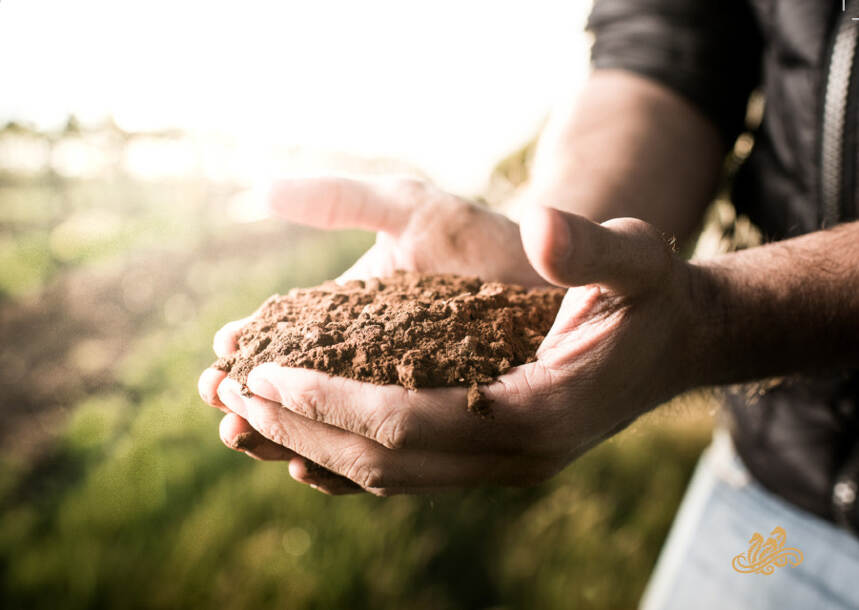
[{"x": 724, "y": 506}]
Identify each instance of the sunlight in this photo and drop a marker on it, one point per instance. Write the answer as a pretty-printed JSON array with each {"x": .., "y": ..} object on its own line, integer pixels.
[{"x": 449, "y": 88}]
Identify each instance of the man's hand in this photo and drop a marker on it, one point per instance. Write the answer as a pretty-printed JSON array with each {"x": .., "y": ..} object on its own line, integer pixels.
[
  {"x": 418, "y": 227},
  {"x": 616, "y": 349}
]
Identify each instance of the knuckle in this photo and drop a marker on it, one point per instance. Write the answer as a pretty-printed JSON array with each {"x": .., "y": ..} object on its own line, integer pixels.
[
  {"x": 409, "y": 189},
  {"x": 307, "y": 402},
  {"x": 366, "y": 473},
  {"x": 371, "y": 478},
  {"x": 658, "y": 247},
  {"x": 395, "y": 430},
  {"x": 275, "y": 433},
  {"x": 630, "y": 226}
]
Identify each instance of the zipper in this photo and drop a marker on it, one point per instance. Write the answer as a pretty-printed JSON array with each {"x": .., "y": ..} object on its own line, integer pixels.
[{"x": 833, "y": 170}]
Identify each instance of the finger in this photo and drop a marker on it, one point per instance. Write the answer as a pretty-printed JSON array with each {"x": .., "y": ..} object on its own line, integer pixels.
[
  {"x": 207, "y": 386},
  {"x": 576, "y": 329},
  {"x": 224, "y": 342},
  {"x": 333, "y": 490},
  {"x": 625, "y": 254},
  {"x": 368, "y": 463},
  {"x": 237, "y": 434},
  {"x": 340, "y": 203},
  {"x": 327, "y": 482},
  {"x": 321, "y": 478},
  {"x": 390, "y": 415},
  {"x": 382, "y": 492}
]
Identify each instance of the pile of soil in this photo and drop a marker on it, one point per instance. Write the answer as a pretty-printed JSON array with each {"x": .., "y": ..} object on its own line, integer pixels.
[{"x": 415, "y": 330}]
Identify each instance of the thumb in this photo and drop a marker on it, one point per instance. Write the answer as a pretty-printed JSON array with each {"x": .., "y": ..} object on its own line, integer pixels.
[{"x": 625, "y": 254}]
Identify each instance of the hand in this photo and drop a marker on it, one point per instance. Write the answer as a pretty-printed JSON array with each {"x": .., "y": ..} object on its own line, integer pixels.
[
  {"x": 618, "y": 347},
  {"x": 418, "y": 228}
]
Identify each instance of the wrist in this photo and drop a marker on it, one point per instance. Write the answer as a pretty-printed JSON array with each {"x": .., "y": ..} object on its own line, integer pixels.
[
  {"x": 681, "y": 334},
  {"x": 707, "y": 329}
]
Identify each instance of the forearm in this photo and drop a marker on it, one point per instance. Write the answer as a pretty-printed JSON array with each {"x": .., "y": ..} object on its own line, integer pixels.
[
  {"x": 787, "y": 307},
  {"x": 629, "y": 147}
]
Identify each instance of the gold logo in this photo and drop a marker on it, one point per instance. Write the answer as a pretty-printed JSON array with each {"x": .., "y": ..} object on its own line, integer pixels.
[{"x": 763, "y": 557}]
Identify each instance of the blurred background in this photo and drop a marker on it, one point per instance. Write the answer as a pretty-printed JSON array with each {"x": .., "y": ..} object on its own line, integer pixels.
[{"x": 134, "y": 141}]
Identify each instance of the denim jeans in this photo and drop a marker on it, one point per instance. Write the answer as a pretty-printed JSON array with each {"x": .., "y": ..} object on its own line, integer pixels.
[{"x": 724, "y": 506}]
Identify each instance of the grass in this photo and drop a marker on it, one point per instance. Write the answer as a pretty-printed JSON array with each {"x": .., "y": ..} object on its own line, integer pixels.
[{"x": 133, "y": 501}]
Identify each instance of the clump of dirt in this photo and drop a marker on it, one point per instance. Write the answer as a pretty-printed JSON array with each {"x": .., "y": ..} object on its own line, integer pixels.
[{"x": 415, "y": 330}]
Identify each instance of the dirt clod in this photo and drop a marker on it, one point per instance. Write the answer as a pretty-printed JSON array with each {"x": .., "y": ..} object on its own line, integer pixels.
[
  {"x": 411, "y": 329},
  {"x": 245, "y": 441}
]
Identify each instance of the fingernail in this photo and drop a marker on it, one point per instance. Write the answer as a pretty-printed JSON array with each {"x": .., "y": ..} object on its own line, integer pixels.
[
  {"x": 562, "y": 240},
  {"x": 261, "y": 386}
]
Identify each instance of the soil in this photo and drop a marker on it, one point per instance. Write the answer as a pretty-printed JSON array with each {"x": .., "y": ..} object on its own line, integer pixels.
[{"x": 415, "y": 330}]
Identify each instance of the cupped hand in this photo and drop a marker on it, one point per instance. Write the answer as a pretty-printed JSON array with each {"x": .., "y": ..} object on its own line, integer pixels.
[
  {"x": 618, "y": 347},
  {"x": 418, "y": 227}
]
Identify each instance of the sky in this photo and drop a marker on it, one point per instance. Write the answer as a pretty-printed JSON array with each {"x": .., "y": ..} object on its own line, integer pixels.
[{"x": 447, "y": 86}]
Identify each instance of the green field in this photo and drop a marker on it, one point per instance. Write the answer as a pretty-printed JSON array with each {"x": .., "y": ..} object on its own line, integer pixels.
[{"x": 116, "y": 492}]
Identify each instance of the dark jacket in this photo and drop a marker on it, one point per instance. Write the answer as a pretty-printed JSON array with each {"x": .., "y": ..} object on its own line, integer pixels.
[{"x": 801, "y": 438}]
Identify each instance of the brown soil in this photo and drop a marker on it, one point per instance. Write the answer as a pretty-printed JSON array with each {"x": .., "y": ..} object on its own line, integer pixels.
[{"x": 410, "y": 329}]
